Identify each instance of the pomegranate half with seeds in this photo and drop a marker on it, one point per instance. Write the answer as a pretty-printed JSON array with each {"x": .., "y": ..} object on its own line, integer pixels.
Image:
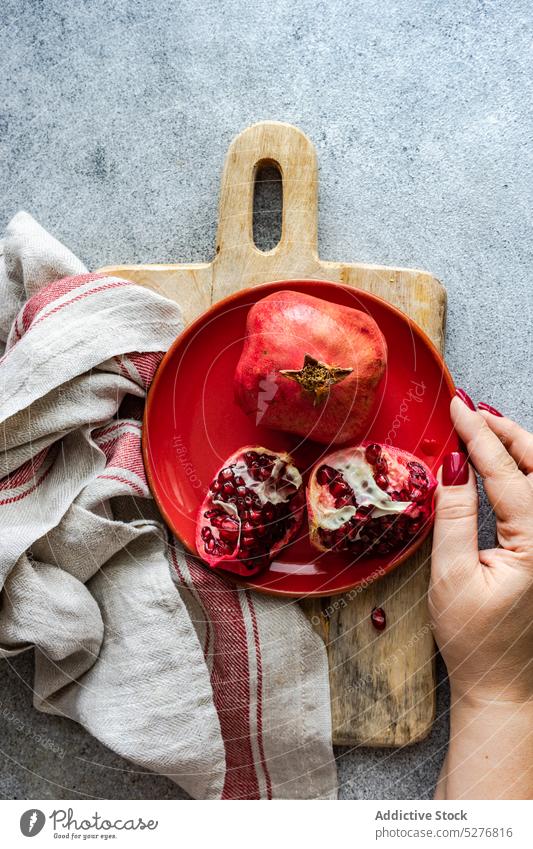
[
  {"x": 369, "y": 499},
  {"x": 254, "y": 506}
]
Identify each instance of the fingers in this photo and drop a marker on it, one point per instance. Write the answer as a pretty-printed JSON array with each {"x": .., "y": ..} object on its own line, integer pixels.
[
  {"x": 507, "y": 489},
  {"x": 518, "y": 442},
  {"x": 455, "y": 543}
]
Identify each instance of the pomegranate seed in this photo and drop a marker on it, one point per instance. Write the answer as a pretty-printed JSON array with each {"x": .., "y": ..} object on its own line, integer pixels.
[
  {"x": 382, "y": 481},
  {"x": 225, "y": 475},
  {"x": 247, "y": 542},
  {"x": 379, "y": 620},
  {"x": 229, "y": 536},
  {"x": 206, "y": 533},
  {"x": 382, "y": 465},
  {"x": 325, "y": 474},
  {"x": 229, "y": 524},
  {"x": 372, "y": 453},
  {"x": 268, "y": 512},
  {"x": 239, "y": 481},
  {"x": 417, "y": 469},
  {"x": 338, "y": 487}
]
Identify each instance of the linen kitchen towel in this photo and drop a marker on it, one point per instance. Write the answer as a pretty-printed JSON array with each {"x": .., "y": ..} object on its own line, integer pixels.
[{"x": 223, "y": 691}]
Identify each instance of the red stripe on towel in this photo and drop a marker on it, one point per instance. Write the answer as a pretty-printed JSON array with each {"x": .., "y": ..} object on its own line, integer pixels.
[{"x": 230, "y": 679}]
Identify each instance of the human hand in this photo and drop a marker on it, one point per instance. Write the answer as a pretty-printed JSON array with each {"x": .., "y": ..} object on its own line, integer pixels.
[
  {"x": 481, "y": 601},
  {"x": 480, "y": 604}
]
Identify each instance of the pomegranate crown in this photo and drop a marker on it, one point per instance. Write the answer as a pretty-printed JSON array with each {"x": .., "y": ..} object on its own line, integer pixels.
[{"x": 316, "y": 377}]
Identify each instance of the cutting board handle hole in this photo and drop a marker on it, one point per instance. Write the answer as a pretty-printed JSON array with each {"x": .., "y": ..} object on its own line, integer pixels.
[{"x": 268, "y": 205}]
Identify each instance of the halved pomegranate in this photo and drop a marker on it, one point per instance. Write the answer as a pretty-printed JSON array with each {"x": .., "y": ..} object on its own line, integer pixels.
[
  {"x": 369, "y": 498},
  {"x": 254, "y": 506}
]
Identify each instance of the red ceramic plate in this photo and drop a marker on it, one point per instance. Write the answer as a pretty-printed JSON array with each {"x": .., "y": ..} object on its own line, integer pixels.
[{"x": 192, "y": 424}]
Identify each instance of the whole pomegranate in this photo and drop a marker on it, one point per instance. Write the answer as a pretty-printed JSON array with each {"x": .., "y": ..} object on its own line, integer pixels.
[
  {"x": 369, "y": 498},
  {"x": 310, "y": 367},
  {"x": 254, "y": 506}
]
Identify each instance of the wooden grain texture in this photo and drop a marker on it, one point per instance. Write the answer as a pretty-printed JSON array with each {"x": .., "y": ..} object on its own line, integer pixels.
[{"x": 382, "y": 685}]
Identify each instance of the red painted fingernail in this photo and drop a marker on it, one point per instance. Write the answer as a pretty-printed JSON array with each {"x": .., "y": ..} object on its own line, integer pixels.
[
  {"x": 455, "y": 471},
  {"x": 489, "y": 409},
  {"x": 466, "y": 399}
]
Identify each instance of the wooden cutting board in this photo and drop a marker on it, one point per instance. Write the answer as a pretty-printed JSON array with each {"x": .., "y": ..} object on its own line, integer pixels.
[{"x": 382, "y": 685}]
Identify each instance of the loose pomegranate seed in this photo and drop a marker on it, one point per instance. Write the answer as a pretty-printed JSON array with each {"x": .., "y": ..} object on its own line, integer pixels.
[{"x": 379, "y": 620}]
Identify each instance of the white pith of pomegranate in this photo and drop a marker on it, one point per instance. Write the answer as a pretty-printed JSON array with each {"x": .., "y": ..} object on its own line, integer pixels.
[
  {"x": 369, "y": 498},
  {"x": 254, "y": 506}
]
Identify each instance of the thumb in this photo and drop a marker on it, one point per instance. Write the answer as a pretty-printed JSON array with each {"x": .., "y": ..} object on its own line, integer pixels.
[{"x": 455, "y": 544}]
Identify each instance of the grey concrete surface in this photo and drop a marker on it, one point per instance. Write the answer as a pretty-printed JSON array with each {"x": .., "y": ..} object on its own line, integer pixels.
[{"x": 114, "y": 121}]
